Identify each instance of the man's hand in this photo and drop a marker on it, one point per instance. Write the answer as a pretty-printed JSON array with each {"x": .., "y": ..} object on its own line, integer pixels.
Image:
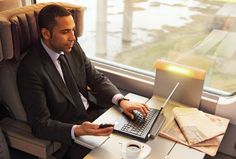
[
  {"x": 88, "y": 128},
  {"x": 129, "y": 106}
]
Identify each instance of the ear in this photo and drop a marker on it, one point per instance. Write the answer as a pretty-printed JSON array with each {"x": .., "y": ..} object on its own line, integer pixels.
[{"x": 45, "y": 33}]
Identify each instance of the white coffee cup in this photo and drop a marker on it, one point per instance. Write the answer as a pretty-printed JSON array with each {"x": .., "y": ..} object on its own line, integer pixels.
[{"x": 133, "y": 149}]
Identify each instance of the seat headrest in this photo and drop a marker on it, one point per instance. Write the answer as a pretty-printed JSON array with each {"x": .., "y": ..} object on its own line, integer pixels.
[
  {"x": 9, "y": 4},
  {"x": 19, "y": 29}
]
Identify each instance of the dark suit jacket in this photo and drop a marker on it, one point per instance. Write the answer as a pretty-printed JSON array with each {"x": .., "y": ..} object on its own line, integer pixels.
[{"x": 50, "y": 109}]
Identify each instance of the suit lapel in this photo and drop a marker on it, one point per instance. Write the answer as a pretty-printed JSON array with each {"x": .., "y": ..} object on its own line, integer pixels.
[{"x": 54, "y": 75}]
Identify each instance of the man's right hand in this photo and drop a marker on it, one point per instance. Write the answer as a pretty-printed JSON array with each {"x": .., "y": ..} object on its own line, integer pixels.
[{"x": 88, "y": 128}]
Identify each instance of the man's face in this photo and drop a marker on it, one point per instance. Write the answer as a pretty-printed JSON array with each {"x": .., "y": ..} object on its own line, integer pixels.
[{"x": 62, "y": 36}]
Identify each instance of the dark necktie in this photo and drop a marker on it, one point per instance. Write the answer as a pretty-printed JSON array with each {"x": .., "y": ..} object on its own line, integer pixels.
[{"x": 71, "y": 83}]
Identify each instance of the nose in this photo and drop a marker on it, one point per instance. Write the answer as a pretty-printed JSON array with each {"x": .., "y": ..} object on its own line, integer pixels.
[{"x": 72, "y": 36}]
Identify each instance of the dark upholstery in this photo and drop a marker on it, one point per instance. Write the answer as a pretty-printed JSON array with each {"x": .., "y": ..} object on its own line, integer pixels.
[
  {"x": 18, "y": 32},
  {"x": 4, "y": 153}
]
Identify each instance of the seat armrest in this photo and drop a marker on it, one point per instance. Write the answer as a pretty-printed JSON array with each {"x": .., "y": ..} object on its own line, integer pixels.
[{"x": 18, "y": 135}]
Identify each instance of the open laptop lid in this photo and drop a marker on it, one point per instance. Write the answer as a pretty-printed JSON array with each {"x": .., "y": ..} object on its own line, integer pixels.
[
  {"x": 170, "y": 95},
  {"x": 161, "y": 118}
]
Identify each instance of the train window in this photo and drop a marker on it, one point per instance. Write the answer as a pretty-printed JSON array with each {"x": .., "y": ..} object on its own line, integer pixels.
[{"x": 137, "y": 33}]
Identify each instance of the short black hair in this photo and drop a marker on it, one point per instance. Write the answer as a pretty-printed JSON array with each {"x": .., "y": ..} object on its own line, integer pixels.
[{"x": 47, "y": 15}]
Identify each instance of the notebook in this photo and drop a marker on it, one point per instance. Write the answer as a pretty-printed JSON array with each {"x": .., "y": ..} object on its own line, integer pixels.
[{"x": 140, "y": 128}]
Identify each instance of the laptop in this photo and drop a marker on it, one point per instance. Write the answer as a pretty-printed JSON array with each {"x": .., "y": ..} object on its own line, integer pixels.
[{"x": 140, "y": 128}]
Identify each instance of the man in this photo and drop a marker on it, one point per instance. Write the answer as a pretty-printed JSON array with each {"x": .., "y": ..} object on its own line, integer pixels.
[{"x": 53, "y": 110}]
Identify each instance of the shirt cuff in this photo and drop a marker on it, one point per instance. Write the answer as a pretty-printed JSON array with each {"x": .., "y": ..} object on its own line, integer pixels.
[
  {"x": 116, "y": 98},
  {"x": 73, "y": 132}
]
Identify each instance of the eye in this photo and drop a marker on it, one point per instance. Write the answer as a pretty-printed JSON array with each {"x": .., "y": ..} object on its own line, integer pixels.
[{"x": 64, "y": 31}]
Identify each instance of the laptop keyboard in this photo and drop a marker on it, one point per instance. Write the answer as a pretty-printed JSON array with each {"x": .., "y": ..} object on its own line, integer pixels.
[{"x": 139, "y": 127}]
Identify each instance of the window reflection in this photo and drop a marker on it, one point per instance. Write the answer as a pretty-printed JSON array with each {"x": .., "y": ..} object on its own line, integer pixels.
[{"x": 138, "y": 32}]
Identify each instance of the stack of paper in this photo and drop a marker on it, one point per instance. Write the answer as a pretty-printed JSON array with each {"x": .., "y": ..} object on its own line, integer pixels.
[{"x": 196, "y": 129}]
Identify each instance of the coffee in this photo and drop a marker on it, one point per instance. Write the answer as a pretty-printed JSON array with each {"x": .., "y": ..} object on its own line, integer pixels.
[{"x": 133, "y": 147}]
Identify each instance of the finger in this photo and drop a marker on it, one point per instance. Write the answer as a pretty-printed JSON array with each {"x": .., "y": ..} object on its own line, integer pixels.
[
  {"x": 105, "y": 134},
  {"x": 90, "y": 125},
  {"x": 146, "y": 107},
  {"x": 144, "y": 114},
  {"x": 129, "y": 114},
  {"x": 143, "y": 110},
  {"x": 104, "y": 131}
]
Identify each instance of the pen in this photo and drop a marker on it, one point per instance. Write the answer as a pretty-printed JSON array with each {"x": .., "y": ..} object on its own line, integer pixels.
[{"x": 167, "y": 155}]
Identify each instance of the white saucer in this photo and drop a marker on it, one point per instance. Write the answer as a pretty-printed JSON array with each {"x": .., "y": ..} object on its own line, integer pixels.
[{"x": 146, "y": 149}]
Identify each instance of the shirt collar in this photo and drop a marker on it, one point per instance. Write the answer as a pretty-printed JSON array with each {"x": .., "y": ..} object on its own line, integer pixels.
[{"x": 53, "y": 55}]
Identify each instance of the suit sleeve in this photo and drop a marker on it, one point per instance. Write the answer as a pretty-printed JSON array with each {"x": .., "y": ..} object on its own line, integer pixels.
[
  {"x": 31, "y": 89},
  {"x": 101, "y": 86}
]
